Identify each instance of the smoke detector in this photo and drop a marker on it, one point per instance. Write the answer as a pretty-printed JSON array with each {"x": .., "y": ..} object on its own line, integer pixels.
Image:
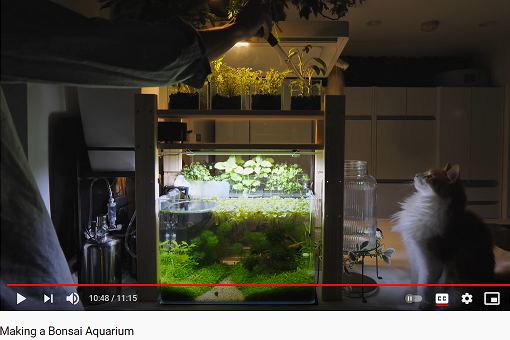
[{"x": 429, "y": 26}]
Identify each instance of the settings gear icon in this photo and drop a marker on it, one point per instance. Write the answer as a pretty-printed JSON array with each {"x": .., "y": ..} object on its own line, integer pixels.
[{"x": 467, "y": 298}]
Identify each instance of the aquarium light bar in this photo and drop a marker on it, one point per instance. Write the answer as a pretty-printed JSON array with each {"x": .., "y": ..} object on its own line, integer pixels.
[{"x": 295, "y": 153}]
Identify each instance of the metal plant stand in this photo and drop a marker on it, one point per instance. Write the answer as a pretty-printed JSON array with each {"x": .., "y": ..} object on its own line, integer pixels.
[{"x": 355, "y": 277}]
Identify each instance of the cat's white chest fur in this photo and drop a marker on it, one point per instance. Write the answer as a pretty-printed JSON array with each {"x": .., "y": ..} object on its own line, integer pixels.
[{"x": 422, "y": 217}]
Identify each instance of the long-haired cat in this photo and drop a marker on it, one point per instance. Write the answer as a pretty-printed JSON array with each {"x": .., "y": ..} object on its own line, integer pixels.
[{"x": 445, "y": 243}]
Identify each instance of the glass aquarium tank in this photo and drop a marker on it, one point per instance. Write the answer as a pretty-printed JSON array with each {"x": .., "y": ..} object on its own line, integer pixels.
[{"x": 257, "y": 244}]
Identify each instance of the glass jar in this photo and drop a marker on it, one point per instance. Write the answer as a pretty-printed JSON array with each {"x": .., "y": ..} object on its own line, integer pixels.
[{"x": 360, "y": 206}]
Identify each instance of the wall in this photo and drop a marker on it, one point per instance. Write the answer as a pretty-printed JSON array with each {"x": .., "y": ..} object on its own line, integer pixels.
[
  {"x": 88, "y": 8},
  {"x": 42, "y": 101},
  {"x": 16, "y": 97},
  {"x": 496, "y": 57}
]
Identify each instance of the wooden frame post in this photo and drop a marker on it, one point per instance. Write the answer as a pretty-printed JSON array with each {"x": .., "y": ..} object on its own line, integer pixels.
[
  {"x": 146, "y": 194},
  {"x": 333, "y": 203}
]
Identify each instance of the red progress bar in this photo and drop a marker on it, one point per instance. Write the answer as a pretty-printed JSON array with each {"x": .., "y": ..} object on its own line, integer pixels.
[{"x": 252, "y": 285}]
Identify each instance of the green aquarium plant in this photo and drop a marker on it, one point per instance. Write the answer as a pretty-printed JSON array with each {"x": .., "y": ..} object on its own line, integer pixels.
[
  {"x": 244, "y": 176},
  {"x": 196, "y": 172},
  {"x": 287, "y": 179}
]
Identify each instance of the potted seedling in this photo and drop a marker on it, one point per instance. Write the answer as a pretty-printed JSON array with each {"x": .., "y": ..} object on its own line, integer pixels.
[
  {"x": 228, "y": 85},
  {"x": 183, "y": 97},
  {"x": 266, "y": 91},
  {"x": 306, "y": 93}
]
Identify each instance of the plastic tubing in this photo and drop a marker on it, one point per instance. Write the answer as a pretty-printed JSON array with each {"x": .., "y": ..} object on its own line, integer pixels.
[
  {"x": 89, "y": 226},
  {"x": 126, "y": 237}
]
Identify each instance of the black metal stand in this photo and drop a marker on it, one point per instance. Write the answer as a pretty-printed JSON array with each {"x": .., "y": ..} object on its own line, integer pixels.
[{"x": 363, "y": 255}]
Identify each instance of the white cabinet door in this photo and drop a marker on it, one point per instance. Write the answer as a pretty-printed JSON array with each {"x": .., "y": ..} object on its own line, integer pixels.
[
  {"x": 359, "y": 101},
  {"x": 358, "y": 140},
  {"x": 455, "y": 128},
  {"x": 390, "y": 101},
  {"x": 421, "y": 101},
  {"x": 389, "y": 195},
  {"x": 405, "y": 147},
  {"x": 486, "y": 133}
]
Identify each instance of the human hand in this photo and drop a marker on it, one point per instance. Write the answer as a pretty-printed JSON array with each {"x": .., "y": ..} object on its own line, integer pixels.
[{"x": 253, "y": 19}]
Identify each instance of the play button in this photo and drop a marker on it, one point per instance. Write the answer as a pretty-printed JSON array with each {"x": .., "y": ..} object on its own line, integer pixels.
[{"x": 20, "y": 298}]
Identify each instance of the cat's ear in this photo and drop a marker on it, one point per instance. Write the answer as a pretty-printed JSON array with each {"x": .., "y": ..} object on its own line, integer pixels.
[
  {"x": 454, "y": 173},
  {"x": 447, "y": 167}
]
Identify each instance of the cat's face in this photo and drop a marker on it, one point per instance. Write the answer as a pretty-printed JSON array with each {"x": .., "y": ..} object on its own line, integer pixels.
[{"x": 437, "y": 182}]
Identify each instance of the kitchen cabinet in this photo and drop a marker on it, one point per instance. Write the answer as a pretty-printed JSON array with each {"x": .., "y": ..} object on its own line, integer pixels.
[
  {"x": 455, "y": 128},
  {"x": 359, "y": 101},
  {"x": 358, "y": 141},
  {"x": 470, "y": 124},
  {"x": 421, "y": 101},
  {"x": 486, "y": 134},
  {"x": 390, "y": 101},
  {"x": 404, "y": 148}
]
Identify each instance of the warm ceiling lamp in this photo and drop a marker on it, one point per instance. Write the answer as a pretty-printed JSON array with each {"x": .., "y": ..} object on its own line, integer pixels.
[{"x": 429, "y": 26}]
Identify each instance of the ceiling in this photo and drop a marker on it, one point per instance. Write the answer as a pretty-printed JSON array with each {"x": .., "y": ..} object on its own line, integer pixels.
[{"x": 400, "y": 34}]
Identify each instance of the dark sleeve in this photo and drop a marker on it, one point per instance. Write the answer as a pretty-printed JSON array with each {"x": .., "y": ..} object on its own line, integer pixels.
[{"x": 47, "y": 43}]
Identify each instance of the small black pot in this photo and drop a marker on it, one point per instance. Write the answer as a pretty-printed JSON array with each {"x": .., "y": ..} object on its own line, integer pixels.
[
  {"x": 183, "y": 101},
  {"x": 225, "y": 103},
  {"x": 305, "y": 103},
  {"x": 266, "y": 102}
]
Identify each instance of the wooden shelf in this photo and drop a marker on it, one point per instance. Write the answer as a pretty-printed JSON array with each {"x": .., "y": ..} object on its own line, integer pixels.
[{"x": 243, "y": 114}]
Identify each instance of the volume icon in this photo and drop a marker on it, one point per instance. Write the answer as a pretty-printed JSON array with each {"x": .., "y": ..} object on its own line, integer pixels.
[{"x": 73, "y": 298}]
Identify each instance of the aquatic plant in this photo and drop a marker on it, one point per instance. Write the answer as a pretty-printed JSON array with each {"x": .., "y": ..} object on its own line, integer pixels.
[
  {"x": 237, "y": 210},
  {"x": 206, "y": 275},
  {"x": 301, "y": 275},
  {"x": 244, "y": 176},
  {"x": 179, "y": 259},
  {"x": 285, "y": 179},
  {"x": 196, "y": 172}
]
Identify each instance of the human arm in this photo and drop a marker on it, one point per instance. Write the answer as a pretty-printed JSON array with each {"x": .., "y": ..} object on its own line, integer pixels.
[
  {"x": 247, "y": 23},
  {"x": 47, "y": 43}
]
